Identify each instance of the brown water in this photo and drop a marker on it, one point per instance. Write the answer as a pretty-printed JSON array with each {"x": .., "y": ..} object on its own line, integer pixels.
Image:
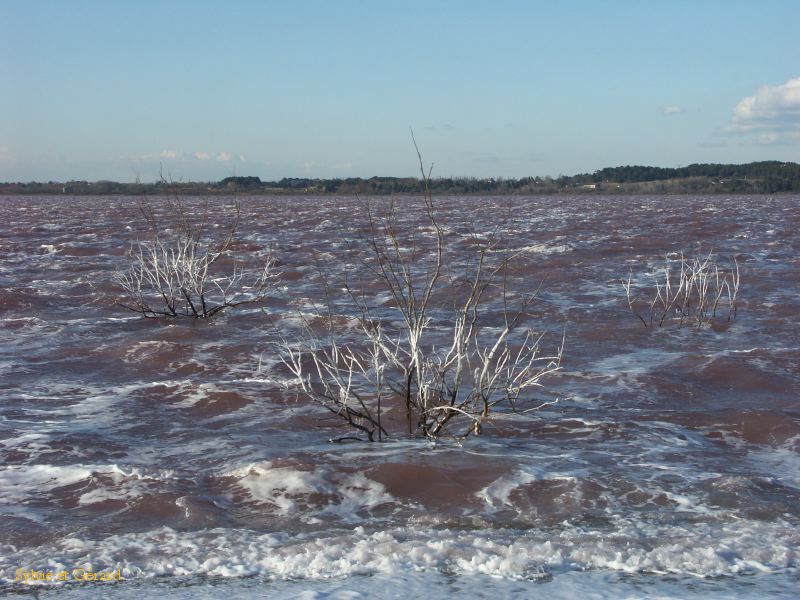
[{"x": 169, "y": 449}]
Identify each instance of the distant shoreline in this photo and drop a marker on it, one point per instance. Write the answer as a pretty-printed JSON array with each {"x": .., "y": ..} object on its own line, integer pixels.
[
  {"x": 316, "y": 194},
  {"x": 767, "y": 177}
]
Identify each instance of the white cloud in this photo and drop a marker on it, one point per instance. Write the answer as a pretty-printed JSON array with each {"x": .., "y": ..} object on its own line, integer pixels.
[
  {"x": 672, "y": 110},
  {"x": 163, "y": 155},
  {"x": 771, "y": 115},
  {"x": 5, "y": 155},
  {"x": 199, "y": 155}
]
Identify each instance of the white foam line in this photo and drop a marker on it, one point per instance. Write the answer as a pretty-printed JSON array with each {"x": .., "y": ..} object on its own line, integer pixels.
[{"x": 702, "y": 550}]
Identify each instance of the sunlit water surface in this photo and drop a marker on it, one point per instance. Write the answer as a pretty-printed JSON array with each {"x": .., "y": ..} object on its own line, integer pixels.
[{"x": 669, "y": 467}]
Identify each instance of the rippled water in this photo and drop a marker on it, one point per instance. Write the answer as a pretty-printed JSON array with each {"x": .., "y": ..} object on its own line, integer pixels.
[{"x": 670, "y": 464}]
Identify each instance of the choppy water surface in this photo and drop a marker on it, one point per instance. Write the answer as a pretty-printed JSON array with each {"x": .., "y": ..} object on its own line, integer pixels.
[{"x": 670, "y": 465}]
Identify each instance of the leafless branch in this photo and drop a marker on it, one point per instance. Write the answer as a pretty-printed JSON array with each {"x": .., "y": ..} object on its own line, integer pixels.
[
  {"x": 177, "y": 269},
  {"x": 687, "y": 291},
  {"x": 446, "y": 375}
]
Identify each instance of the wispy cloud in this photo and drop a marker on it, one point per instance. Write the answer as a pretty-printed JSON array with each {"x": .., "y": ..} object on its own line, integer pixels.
[
  {"x": 672, "y": 110},
  {"x": 170, "y": 154},
  {"x": 163, "y": 155},
  {"x": 200, "y": 155},
  {"x": 5, "y": 155},
  {"x": 441, "y": 126},
  {"x": 771, "y": 115}
]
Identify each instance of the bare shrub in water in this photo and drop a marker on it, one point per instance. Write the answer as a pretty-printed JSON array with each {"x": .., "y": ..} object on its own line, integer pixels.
[
  {"x": 691, "y": 292},
  {"x": 444, "y": 375},
  {"x": 185, "y": 266}
]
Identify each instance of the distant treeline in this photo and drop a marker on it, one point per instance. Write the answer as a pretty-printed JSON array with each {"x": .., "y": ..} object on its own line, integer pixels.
[{"x": 758, "y": 177}]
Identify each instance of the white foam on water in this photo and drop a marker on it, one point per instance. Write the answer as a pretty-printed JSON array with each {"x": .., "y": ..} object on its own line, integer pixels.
[
  {"x": 655, "y": 514},
  {"x": 498, "y": 493},
  {"x": 278, "y": 486},
  {"x": 701, "y": 550},
  {"x": 284, "y": 487},
  {"x": 638, "y": 362},
  {"x": 782, "y": 463},
  {"x": 144, "y": 350},
  {"x": 542, "y": 248},
  {"x": 358, "y": 492},
  {"x": 196, "y": 393},
  {"x": 20, "y": 483},
  {"x": 128, "y": 482}
]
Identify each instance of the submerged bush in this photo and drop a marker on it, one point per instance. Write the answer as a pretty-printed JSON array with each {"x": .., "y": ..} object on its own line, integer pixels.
[
  {"x": 446, "y": 374},
  {"x": 687, "y": 292},
  {"x": 185, "y": 266}
]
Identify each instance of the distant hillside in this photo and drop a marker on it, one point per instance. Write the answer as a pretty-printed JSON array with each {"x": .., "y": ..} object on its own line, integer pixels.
[
  {"x": 762, "y": 177},
  {"x": 766, "y": 177},
  {"x": 771, "y": 169}
]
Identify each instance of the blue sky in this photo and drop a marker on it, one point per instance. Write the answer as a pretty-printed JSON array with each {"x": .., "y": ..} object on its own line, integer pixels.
[{"x": 110, "y": 90}]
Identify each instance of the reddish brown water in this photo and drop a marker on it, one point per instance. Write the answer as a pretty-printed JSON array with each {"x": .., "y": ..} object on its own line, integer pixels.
[{"x": 160, "y": 446}]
